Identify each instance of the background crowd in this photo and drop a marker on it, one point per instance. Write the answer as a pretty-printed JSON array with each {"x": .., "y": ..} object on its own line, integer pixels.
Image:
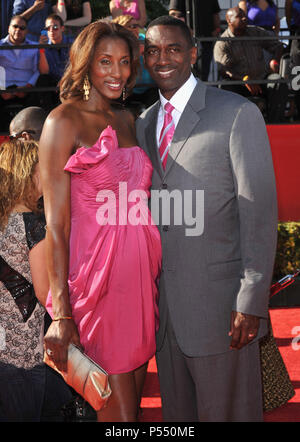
[
  {"x": 55, "y": 26},
  {"x": 52, "y": 23}
]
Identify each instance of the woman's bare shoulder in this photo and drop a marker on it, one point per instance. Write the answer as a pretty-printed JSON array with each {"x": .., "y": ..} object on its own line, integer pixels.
[{"x": 68, "y": 111}]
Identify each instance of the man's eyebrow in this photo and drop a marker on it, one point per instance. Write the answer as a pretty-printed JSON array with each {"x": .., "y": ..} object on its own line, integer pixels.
[{"x": 169, "y": 45}]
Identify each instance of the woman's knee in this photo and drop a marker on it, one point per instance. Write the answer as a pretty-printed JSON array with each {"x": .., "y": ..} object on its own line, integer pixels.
[{"x": 122, "y": 405}]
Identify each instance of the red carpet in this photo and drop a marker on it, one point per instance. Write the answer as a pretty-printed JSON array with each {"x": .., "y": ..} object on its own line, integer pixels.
[{"x": 286, "y": 327}]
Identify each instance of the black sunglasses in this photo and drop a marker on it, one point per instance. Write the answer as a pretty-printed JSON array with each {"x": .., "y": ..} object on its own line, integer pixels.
[
  {"x": 22, "y": 28},
  {"x": 20, "y": 134},
  {"x": 54, "y": 27}
]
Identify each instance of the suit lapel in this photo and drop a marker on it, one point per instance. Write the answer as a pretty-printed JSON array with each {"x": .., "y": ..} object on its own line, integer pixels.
[
  {"x": 188, "y": 120},
  {"x": 150, "y": 134}
]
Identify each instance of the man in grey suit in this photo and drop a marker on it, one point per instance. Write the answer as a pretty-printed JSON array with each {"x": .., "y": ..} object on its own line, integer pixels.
[{"x": 217, "y": 272}]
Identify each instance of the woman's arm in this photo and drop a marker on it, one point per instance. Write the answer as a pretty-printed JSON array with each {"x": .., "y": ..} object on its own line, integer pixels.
[
  {"x": 243, "y": 6},
  {"x": 38, "y": 5},
  {"x": 43, "y": 62},
  {"x": 56, "y": 145},
  {"x": 277, "y": 25},
  {"x": 115, "y": 12},
  {"x": 143, "y": 13},
  {"x": 288, "y": 11},
  {"x": 60, "y": 9},
  {"x": 38, "y": 270},
  {"x": 85, "y": 19}
]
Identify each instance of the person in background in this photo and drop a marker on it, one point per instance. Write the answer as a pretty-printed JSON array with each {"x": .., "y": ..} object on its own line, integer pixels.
[
  {"x": 5, "y": 16},
  {"x": 28, "y": 390},
  {"x": 53, "y": 60},
  {"x": 244, "y": 60},
  {"x": 176, "y": 11},
  {"x": 135, "y": 8},
  {"x": 207, "y": 24},
  {"x": 292, "y": 13},
  {"x": 28, "y": 123},
  {"x": 263, "y": 13},
  {"x": 21, "y": 68},
  {"x": 75, "y": 14},
  {"x": 35, "y": 13},
  {"x": 145, "y": 93}
]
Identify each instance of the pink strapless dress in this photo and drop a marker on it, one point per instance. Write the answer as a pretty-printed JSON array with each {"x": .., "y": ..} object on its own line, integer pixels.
[{"x": 114, "y": 267}]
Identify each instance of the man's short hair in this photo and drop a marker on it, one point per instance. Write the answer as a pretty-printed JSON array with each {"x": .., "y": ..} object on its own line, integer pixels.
[
  {"x": 29, "y": 119},
  {"x": 18, "y": 16},
  {"x": 55, "y": 17},
  {"x": 168, "y": 20}
]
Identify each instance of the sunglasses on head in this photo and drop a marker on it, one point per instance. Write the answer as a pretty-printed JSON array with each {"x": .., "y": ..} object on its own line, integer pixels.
[
  {"x": 20, "y": 134},
  {"x": 22, "y": 28},
  {"x": 54, "y": 27}
]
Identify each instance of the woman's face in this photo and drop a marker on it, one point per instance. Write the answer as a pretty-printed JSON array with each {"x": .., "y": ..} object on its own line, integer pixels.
[{"x": 110, "y": 67}]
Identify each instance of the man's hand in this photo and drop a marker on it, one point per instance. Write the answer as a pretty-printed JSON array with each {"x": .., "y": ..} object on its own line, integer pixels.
[
  {"x": 243, "y": 329},
  {"x": 22, "y": 94},
  {"x": 39, "y": 5}
]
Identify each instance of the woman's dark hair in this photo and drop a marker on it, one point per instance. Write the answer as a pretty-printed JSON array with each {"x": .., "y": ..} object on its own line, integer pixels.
[
  {"x": 82, "y": 53},
  {"x": 168, "y": 20}
]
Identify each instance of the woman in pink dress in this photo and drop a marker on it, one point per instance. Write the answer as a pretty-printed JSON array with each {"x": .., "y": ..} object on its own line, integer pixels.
[
  {"x": 103, "y": 250},
  {"x": 135, "y": 8}
]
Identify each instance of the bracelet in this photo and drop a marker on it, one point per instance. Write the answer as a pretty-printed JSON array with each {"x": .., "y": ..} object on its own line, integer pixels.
[
  {"x": 59, "y": 318},
  {"x": 42, "y": 51},
  {"x": 245, "y": 78}
]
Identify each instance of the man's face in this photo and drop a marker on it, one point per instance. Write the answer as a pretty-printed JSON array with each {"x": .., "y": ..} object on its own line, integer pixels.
[
  {"x": 168, "y": 58},
  {"x": 133, "y": 27},
  {"x": 237, "y": 21},
  {"x": 17, "y": 31},
  {"x": 177, "y": 14},
  {"x": 55, "y": 30}
]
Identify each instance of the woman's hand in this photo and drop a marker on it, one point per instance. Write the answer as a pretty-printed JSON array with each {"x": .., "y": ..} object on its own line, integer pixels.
[{"x": 56, "y": 342}]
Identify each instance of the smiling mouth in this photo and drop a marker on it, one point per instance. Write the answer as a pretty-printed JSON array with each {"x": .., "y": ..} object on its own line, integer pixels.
[
  {"x": 114, "y": 86},
  {"x": 165, "y": 74}
]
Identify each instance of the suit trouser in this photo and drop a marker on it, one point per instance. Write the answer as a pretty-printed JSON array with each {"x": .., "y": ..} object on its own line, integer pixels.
[{"x": 218, "y": 388}]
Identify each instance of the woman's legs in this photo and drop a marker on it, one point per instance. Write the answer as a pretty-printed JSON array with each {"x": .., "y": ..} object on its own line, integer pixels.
[{"x": 124, "y": 401}]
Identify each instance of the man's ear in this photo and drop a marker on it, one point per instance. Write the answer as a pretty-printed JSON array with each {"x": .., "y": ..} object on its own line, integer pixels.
[
  {"x": 26, "y": 136},
  {"x": 193, "y": 55}
]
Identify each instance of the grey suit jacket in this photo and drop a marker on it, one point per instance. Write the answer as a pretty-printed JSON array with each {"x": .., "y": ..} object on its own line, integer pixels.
[{"x": 220, "y": 147}]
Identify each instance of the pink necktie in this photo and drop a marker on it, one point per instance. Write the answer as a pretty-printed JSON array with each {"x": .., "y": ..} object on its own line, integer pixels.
[{"x": 166, "y": 134}]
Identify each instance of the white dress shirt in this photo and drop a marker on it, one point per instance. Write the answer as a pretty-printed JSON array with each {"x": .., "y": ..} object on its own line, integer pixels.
[{"x": 179, "y": 101}]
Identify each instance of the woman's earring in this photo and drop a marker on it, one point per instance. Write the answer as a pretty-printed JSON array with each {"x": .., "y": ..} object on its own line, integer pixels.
[
  {"x": 124, "y": 94},
  {"x": 86, "y": 88}
]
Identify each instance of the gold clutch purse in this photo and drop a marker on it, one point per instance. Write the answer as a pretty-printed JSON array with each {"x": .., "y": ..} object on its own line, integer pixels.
[{"x": 86, "y": 377}]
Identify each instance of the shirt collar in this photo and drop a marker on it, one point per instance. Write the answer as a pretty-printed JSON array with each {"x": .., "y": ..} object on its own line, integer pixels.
[
  {"x": 182, "y": 96},
  {"x": 231, "y": 34},
  {"x": 26, "y": 41}
]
